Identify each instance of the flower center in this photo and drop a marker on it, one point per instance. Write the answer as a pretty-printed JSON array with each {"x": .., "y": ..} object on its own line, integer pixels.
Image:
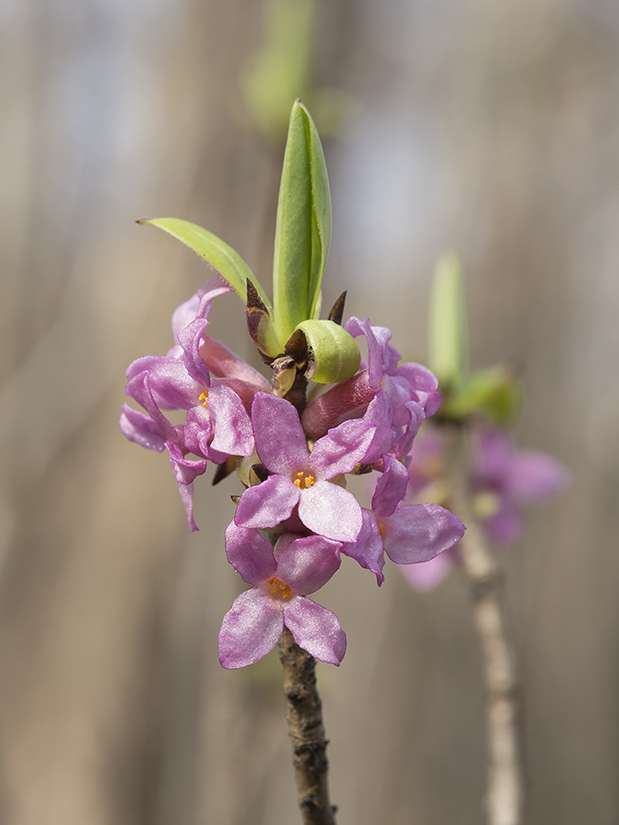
[
  {"x": 303, "y": 480},
  {"x": 204, "y": 398},
  {"x": 486, "y": 504},
  {"x": 381, "y": 528},
  {"x": 280, "y": 591}
]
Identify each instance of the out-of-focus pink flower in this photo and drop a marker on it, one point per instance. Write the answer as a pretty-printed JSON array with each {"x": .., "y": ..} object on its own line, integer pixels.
[{"x": 502, "y": 480}]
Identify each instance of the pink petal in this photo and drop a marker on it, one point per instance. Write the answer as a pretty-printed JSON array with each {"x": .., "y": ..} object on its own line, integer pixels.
[
  {"x": 233, "y": 430},
  {"x": 307, "y": 563},
  {"x": 535, "y": 476},
  {"x": 267, "y": 504},
  {"x": 419, "y": 532},
  {"x": 198, "y": 434},
  {"x": 189, "y": 339},
  {"x": 342, "y": 448},
  {"x": 423, "y": 385},
  {"x": 138, "y": 388},
  {"x": 225, "y": 363},
  {"x": 331, "y": 511},
  {"x": 416, "y": 416},
  {"x": 250, "y": 555},
  {"x": 380, "y": 415},
  {"x": 493, "y": 455},
  {"x": 356, "y": 327},
  {"x": 141, "y": 429},
  {"x": 506, "y": 525},
  {"x": 390, "y": 488},
  {"x": 250, "y": 629},
  {"x": 280, "y": 440},
  {"x": 186, "y": 470},
  {"x": 199, "y": 305},
  {"x": 368, "y": 549},
  {"x": 428, "y": 574},
  {"x": 316, "y": 630}
]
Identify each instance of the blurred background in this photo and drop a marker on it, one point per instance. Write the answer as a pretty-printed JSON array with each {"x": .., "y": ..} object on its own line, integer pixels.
[{"x": 491, "y": 129}]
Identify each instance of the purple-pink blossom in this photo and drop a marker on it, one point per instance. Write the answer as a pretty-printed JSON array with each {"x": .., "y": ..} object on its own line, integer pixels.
[
  {"x": 395, "y": 397},
  {"x": 502, "y": 479},
  {"x": 408, "y": 533},
  {"x": 282, "y": 577},
  {"x": 217, "y": 422},
  {"x": 292, "y": 526},
  {"x": 300, "y": 478}
]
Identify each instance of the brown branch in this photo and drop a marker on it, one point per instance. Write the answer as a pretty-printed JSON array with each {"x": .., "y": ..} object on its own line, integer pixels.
[
  {"x": 504, "y": 801},
  {"x": 307, "y": 733}
]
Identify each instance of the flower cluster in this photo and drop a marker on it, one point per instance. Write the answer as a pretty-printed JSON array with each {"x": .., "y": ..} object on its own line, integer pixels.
[
  {"x": 502, "y": 479},
  {"x": 295, "y": 518}
]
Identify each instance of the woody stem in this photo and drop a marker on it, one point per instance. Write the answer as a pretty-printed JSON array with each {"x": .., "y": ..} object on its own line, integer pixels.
[{"x": 306, "y": 732}]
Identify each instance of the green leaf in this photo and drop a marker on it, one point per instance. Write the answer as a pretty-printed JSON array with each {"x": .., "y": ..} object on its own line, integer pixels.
[
  {"x": 333, "y": 353},
  {"x": 218, "y": 254},
  {"x": 493, "y": 392},
  {"x": 448, "y": 329},
  {"x": 282, "y": 69},
  {"x": 303, "y": 228}
]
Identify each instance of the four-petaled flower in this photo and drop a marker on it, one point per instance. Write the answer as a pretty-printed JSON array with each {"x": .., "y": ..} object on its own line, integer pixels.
[
  {"x": 282, "y": 577},
  {"x": 300, "y": 478}
]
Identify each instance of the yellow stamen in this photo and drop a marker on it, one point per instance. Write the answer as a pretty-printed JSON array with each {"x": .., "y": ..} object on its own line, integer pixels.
[
  {"x": 381, "y": 528},
  {"x": 304, "y": 480},
  {"x": 280, "y": 591},
  {"x": 204, "y": 398}
]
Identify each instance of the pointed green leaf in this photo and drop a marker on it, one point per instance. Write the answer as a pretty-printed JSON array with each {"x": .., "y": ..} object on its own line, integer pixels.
[
  {"x": 448, "y": 330},
  {"x": 333, "y": 352},
  {"x": 303, "y": 229},
  {"x": 218, "y": 254}
]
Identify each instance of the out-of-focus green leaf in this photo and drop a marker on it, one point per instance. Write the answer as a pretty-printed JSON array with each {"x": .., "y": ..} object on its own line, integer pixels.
[
  {"x": 333, "y": 353},
  {"x": 447, "y": 328},
  {"x": 218, "y": 254},
  {"x": 303, "y": 228},
  {"x": 281, "y": 72},
  {"x": 493, "y": 393}
]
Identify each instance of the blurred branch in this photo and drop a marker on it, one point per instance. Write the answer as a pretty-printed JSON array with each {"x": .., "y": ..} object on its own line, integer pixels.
[{"x": 504, "y": 800}]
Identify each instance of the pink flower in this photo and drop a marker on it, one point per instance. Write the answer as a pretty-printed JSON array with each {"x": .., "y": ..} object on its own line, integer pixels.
[
  {"x": 282, "y": 578},
  {"x": 512, "y": 478},
  {"x": 300, "y": 478},
  {"x": 409, "y": 534},
  {"x": 217, "y": 422},
  {"x": 502, "y": 480}
]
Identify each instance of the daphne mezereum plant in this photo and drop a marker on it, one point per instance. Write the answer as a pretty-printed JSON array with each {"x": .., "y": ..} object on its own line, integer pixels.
[{"x": 294, "y": 518}]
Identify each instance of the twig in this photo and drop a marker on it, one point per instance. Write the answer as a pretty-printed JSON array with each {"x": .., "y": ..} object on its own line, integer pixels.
[
  {"x": 307, "y": 734},
  {"x": 504, "y": 800}
]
